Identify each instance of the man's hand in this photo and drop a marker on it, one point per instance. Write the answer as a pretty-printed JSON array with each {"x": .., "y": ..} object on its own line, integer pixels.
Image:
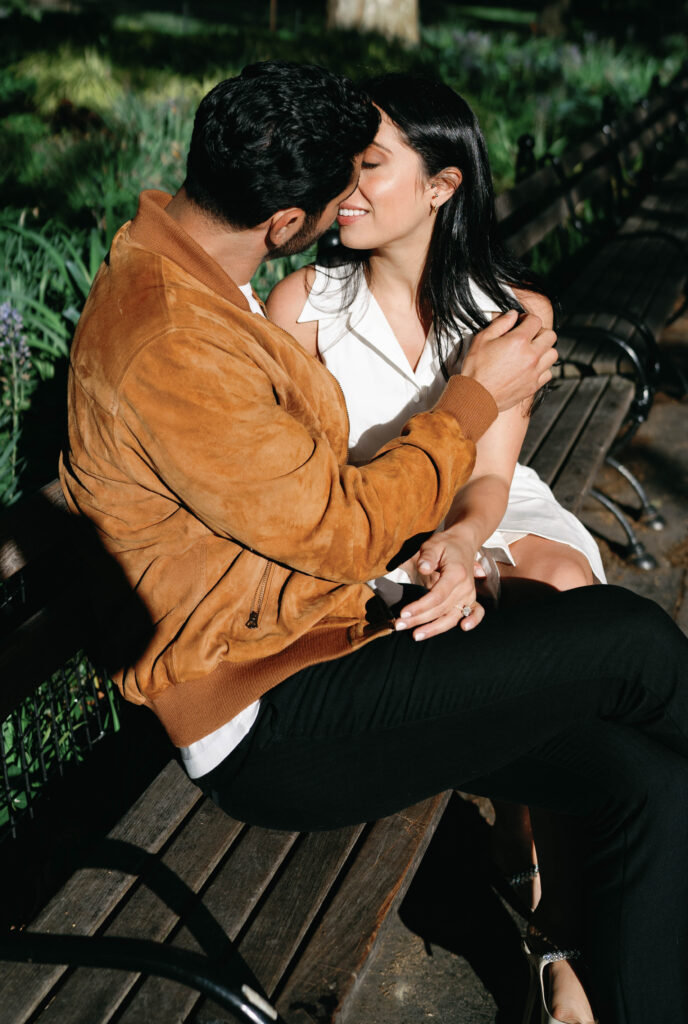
[
  {"x": 446, "y": 561},
  {"x": 511, "y": 358}
]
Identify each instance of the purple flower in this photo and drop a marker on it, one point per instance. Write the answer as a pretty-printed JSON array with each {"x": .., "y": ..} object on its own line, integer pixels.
[{"x": 13, "y": 344}]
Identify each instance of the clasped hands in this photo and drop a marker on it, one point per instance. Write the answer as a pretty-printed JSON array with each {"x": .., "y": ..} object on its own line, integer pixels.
[{"x": 446, "y": 565}]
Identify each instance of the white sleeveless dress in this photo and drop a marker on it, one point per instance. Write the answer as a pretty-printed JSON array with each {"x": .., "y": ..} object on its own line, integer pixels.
[{"x": 382, "y": 392}]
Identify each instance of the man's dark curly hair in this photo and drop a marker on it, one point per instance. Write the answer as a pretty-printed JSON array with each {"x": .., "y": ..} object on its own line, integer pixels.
[{"x": 278, "y": 135}]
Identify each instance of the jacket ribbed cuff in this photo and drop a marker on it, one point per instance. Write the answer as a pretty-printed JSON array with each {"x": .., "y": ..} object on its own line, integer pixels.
[{"x": 470, "y": 404}]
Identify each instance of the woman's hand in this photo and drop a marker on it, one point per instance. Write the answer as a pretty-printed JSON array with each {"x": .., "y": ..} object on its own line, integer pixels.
[{"x": 446, "y": 563}]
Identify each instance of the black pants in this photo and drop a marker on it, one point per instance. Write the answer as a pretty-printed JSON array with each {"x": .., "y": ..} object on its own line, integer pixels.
[{"x": 574, "y": 702}]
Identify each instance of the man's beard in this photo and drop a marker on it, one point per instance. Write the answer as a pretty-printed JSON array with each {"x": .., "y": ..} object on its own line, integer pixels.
[{"x": 303, "y": 239}]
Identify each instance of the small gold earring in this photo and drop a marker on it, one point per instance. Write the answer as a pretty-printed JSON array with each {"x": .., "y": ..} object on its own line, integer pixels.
[{"x": 433, "y": 204}]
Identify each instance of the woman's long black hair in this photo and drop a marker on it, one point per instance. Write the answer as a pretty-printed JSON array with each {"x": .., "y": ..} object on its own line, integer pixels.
[{"x": 441, "y": 127}]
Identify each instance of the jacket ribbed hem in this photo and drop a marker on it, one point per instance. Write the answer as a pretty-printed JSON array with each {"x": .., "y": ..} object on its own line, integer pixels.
[
  {"x": 189, "y": 711},
  {"x": 470, "y": 404}
]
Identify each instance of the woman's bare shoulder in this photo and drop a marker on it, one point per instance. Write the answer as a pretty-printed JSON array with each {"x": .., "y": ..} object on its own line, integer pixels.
[
  {"x": 534, "y": 302},
  {"x": 285, "y": 303}
]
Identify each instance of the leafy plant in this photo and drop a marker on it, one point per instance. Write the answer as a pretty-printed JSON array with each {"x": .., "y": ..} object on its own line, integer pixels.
[
  {"x": 83, "y": 77},
  {"x": 57, "y": 726},
  {"x": 17, "y": 380},
  {"x": 44, "y": 282}
]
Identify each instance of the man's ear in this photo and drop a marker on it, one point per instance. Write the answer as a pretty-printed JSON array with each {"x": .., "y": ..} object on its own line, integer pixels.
[{"x": 283, "y": 225}]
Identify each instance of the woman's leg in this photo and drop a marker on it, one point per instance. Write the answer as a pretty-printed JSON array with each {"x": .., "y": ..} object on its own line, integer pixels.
[
  {"x": 548, "y": 561},
  {"x": 564, "y": 568},
  {"x": 631, "y": 793},
  {"x": 576, "y": 700}
]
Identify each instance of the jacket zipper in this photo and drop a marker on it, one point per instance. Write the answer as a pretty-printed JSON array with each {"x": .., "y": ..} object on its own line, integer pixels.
[
  {"x": 259, "y": 597},
  {"x": 346, "y": 411}
]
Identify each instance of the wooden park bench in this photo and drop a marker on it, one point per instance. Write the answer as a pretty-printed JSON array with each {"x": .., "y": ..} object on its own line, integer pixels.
[
  {"x": 617, "y": 205},
  {"x": 181, "y": 907}
]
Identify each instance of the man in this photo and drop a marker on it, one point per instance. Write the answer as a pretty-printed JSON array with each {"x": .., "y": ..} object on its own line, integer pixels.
[{"x": 209, "y": 451}]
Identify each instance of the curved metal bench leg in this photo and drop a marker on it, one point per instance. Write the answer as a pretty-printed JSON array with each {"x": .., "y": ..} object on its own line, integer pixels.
[
  {"x": 649, "y": 512},
  {"x": 636, "y": 551}
]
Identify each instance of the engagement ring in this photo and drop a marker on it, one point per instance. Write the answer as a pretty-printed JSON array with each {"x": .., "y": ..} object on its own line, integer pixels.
[{"x": 466, "y": 611}]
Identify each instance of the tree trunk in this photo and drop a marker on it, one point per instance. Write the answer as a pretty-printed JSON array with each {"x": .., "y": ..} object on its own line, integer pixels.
[{"x": 394, "y": 19}]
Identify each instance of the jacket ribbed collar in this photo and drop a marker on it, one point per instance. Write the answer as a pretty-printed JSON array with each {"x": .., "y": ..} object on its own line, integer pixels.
[{"x": 154, "y": 230}]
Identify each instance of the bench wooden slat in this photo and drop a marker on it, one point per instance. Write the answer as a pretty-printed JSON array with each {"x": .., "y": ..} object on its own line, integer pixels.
[
  {"x": 654, "y": 215},
  {"x": 650, "y": 301},
  {"x": 151, "y": 913},
  {"x": 544, "y": 417},
  {"x": 564, "y": 432},
  {"x": 527, "y": 195},
  {"x": 599, "y": 432},
  {"x": 583, "y": 353},
  {"x": 593, "y": 352},
  {"x": 590, "y": 182},
  {"x": 337, "y": 954},
  {"x": 90, "y": 895},
  {"x": 232, "y": 896},
  {"x": 288, "y": 911},
  {"x": 639, "y": 274},
  {"x": 528, "y": 235},
  {"x": 32, "y": 528},
  {"x": 586, "y": 153},
  {"x": 622, "y": 274}
]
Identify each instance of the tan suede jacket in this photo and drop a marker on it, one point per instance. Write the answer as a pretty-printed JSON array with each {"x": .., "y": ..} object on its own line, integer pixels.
[{"x": 210, "y": 452}]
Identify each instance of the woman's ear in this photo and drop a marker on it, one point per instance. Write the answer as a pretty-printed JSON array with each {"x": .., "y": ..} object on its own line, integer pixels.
[{"x": 444, "y": 184}]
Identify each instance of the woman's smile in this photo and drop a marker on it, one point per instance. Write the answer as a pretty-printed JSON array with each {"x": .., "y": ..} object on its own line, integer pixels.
[{"x": 348, "y": 214}]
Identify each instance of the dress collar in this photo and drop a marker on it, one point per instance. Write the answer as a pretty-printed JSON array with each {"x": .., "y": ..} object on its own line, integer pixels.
[{"x": 364, "y": 318}]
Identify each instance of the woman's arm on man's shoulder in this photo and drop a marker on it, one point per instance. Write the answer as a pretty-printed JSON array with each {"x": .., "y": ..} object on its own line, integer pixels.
[{"x": 284, "y": 305}]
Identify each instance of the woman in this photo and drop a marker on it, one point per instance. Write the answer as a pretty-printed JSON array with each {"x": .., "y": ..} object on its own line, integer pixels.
[{"x": 394, "y": 322}]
